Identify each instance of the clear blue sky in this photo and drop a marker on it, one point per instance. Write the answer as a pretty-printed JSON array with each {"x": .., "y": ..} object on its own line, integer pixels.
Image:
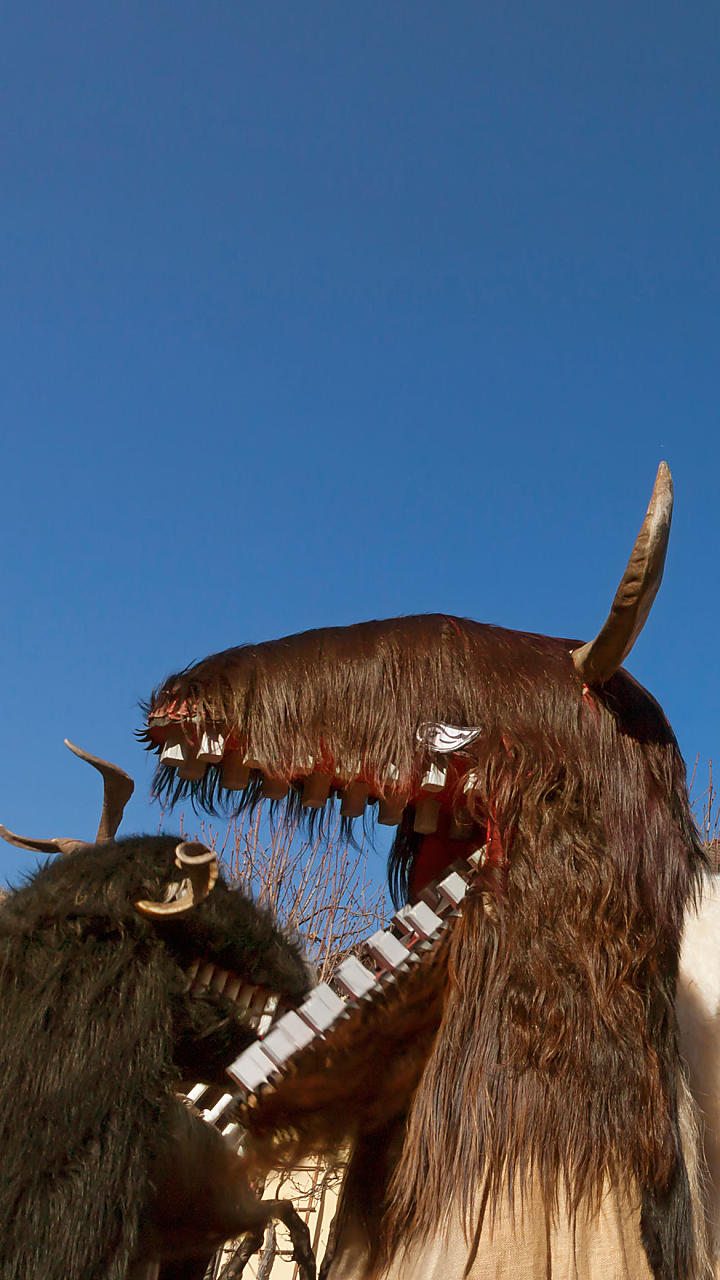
[{"x": 317, "y": 312}]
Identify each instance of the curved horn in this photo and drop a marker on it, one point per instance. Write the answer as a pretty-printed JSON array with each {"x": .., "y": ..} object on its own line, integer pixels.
[
  {"x": 117, "y": 790},
  {"x": 191, "y": 853},
  {"x": 58, "y": 844},
  {"x": 600, "y": 658},
  {"x": 201, "y": 868}
]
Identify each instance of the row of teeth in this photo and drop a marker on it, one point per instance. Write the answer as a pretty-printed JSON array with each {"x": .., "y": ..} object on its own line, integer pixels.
[
  {"x": 257, "y": 1008},
  {"x": 256, "y": 1005},
  {"x": 415, "y": 931},
  {"x": 317, "y": 788}
]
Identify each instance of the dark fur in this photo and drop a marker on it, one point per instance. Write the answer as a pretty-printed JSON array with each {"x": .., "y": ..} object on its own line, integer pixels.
[
  {"x": 556, "y": 1055},
  {"x": 95, "y": 1036}
]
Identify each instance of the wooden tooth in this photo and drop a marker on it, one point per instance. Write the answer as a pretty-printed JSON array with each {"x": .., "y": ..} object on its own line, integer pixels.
[
  {"x": 191, "y": 768},
  {"x": 316, "y": 789},
  {"x": 435, "y": 779},
  {"x": 234, "y": 773},
  {"x": 419, "y": 920},
  {"x": 180, "y": 754},
  {"x": 173, "y": 752},
  {"x": 232, "y": 987},
  {"x": 269, "y": 1010},
  {"x": 321, "y": 1008},
  {"x": 218, "y": 980},
  {"x": 391, "y": 810},
  {"x": 453, "y": 889},
  {"x": 211, "y": 748},
  {"x": 197, "y": 1092},
  {"x": 259, "y": 1000},
  {"x": 387, "y": 950},
  {"x": 251, "y": 1070},
  {"x": 392, "y": 805},
  {"x": 354, "y": 978},
  {"x": 213, "y": 1115},
  {"x": 274, "y": 787},
  {"x": 203, "y": 976},
  {"x": 427, "y": 812},
  {"x": 354, "y": 799},
  {"x": 287, "y": 1036}
]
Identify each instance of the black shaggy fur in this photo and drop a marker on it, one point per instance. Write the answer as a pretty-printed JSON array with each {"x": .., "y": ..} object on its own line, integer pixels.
[{"x": 95, "y": 1035}]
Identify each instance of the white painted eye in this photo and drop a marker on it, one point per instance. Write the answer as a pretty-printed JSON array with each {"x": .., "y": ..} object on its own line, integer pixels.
[{"x": 447, "y": 737}]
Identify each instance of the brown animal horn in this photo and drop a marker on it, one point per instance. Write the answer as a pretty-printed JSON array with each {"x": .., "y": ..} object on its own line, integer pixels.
[
  {"x": 118, "y": 788},
  {"x": 600, "y": 658},
  {"x": 200, "y": 866},
  {"x": 57, "y": 844}
]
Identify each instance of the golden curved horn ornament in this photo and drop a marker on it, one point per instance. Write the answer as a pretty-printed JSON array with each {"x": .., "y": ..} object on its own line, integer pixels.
[
  {"x": 600, "y": 658},
  {"x": 201, "y": 873}
]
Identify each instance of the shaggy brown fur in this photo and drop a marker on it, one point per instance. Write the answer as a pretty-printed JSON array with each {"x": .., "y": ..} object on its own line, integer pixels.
[{"x": 556, "y": 1058}]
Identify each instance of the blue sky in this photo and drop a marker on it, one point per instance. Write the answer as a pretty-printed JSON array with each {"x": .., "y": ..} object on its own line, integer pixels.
[{"x": 314, "y": 313}]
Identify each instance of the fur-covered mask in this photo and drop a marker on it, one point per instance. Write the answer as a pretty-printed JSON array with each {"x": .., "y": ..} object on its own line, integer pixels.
[
  {"x": 553, "y": 997},
  {"x": 128, "y": 967},
  {"x": 225, "y": 966}
]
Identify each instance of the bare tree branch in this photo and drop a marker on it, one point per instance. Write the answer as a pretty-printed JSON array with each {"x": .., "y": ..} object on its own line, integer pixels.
[{"x": 316, "y": 884}]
